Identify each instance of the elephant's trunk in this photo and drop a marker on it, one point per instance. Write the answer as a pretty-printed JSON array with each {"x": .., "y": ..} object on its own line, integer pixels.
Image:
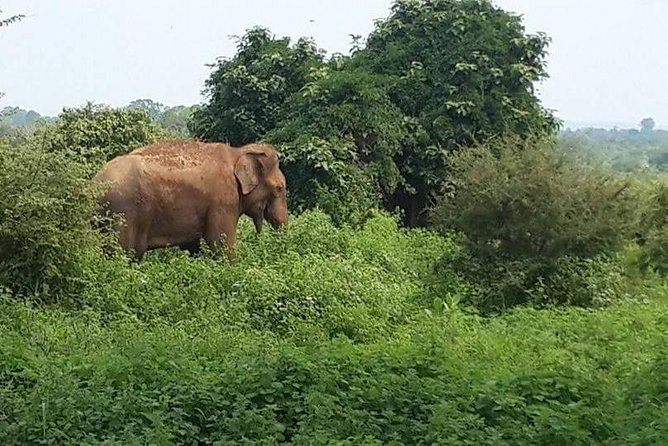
[{"x": 258, "y": 220}]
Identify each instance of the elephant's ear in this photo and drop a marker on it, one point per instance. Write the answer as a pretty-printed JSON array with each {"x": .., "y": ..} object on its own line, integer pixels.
[{"x": 247, "y": 171}]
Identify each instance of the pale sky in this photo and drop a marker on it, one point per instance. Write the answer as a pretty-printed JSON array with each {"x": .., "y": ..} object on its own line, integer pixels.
[{"x": 607, "y": 59}]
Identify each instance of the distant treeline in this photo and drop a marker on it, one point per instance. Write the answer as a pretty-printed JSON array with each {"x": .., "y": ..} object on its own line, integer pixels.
[
  {"x": 174, "y": 119},
  {"x": 624, "y": 149}
]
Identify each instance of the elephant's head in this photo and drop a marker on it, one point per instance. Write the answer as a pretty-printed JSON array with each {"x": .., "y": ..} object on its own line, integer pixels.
[{"x": 262, "y": 184}]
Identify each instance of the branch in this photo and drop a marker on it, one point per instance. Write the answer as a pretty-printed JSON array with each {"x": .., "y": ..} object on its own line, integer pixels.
[{"x": 13, "y": 19}]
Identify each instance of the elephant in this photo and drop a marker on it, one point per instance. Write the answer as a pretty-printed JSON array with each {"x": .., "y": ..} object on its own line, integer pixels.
[{"x": 174, "y": 193}]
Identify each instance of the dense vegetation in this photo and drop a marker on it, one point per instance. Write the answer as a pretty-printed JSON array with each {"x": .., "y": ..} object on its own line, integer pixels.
[
  {"x": 90, "y": 134},
  {"x": 322, "y": 334},
  {"x": 536, "y": 221},
  {"x": 373, "y": 129},
  {"x": 529, "y": 308}
]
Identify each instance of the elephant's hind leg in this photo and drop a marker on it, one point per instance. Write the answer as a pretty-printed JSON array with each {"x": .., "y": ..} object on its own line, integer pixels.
[
  {"x": 134, "y": 236},
  {"x": 143, "y": 225},
  {"x": 127, "y": 234}
]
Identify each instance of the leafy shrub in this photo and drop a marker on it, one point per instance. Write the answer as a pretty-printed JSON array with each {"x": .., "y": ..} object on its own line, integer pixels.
[
  {"x": 339, "y": 137},
  {"x": 97, "y": 133},
  {"x": 321, "y": 177},
  {"x": 45, "y": 222},
  {"x": 652, "y": 231},
  {"x": 313, "y": 281},
  {"x": 565, "y": 281},
  {"x": 648, "y": 398},
  {"x": 520, "y": 198},
  {"x": 571, "y": 376},
  {"x": 582, "y": 282},
  {"x": 530, "y": 214}
]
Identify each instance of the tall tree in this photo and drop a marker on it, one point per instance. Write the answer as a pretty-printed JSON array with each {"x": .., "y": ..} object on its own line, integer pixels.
[
  {"x": 464, "y": 70},
  {"x": 246, "y": 94},
  {"x": 153, "y": 108},
  {"x": 435, "y": 76},
  {"x": 176, "y": 119},
  {"x": 647, "y": 125}
]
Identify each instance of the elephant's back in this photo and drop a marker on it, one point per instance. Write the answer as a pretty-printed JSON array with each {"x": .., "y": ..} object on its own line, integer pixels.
[
  {"x": 117, "y": 169},
  {"x": 181, "y": 154},
  {"x": 168, "y": 169}
]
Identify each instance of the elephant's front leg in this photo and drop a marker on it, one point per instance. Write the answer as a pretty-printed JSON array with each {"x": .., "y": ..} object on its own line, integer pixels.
[{"x": 222, "y": 224}]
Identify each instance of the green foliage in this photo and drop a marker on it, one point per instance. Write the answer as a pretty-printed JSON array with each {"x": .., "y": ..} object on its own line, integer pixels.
[
  {"x": 98, "y": 124},
  {"x": 318, "y": 333},
  {"x": 16, "y": 117},
  {"x": 175, "y": 119},
  {"x": 652, "y": 231},
  {"x": 348, "y": 173},
  {"x": 97, "y": 133},
  {"x": 315, "y": 281},
  {"x": 647, "y": 125},
  {"x": 246, "y": 93},
  {"x": 18, "y": 125},
  {"x": 374, "y": 129},
  {"x": 153, "y": 108},
  {"x": 531, "y": 377},
  {"x": 44, "y": 222},
  {"x": 521, "y": 198},
  {"x": 501, "y": 284},
  {"x": 524, "y": 210},
  {"x": 464, "y": 71}
]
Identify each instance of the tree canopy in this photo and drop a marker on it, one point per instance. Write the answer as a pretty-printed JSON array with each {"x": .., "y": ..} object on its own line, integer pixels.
[
  {"x": 153, "y": 108},
  {"x": 376, "y": 126},
  {"x": 647, "y": 125}
]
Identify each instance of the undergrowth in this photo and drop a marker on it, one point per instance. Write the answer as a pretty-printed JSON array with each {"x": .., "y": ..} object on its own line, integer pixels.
[{"x": 320, "y": 335}]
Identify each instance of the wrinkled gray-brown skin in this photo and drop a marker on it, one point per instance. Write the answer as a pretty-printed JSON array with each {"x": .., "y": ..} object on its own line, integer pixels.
[{"x": 175, "y": 193}]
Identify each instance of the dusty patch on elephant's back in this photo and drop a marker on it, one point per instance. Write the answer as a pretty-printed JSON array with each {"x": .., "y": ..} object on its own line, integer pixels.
[{"x": 176, "y": 154}]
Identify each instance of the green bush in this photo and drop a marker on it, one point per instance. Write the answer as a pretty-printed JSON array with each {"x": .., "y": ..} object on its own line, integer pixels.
[
  {"x": 574, "y": 376},
  {"x": 652, "y": 231},
  {"x": 533, "y": 217},
  {"x": 45, "y": 222},
  {"x": 321, "y": 177},
  {"x": 318, "y": 334},
  {"x": 97, "y": 133},
  {"x": 565, "y": 281},
  {"x": 313, "y": 281},
  {"x": 338, "y": 139}
]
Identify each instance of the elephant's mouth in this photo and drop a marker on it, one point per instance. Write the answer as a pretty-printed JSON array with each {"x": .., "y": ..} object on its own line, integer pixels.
[
  {"x": 275, "y": 223},
  {"x": 272, "y": 221}
]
